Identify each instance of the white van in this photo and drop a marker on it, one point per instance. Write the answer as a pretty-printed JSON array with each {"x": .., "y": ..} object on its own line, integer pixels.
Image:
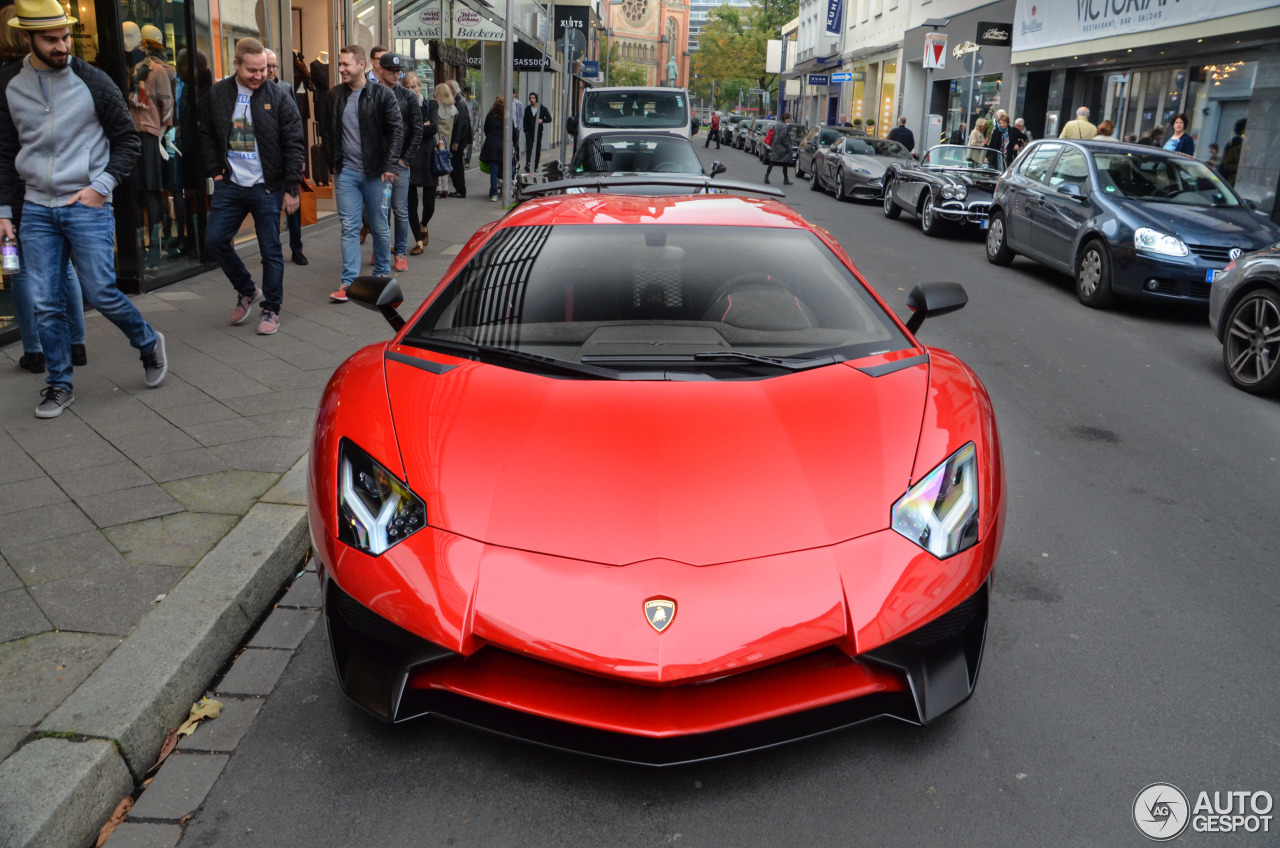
[{"x": 632, "y": 108}]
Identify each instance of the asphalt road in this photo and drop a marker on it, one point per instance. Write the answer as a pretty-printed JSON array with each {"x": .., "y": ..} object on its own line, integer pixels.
[{"x": 1133, "y": 634}]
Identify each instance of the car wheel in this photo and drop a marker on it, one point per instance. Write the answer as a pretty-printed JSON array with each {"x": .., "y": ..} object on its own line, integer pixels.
[
  {"x": 840, "y": 186},
  {"x": 930, "y": 224},
  {"x": 1093, "y": 276},
  {"x": 815, "y": 181},
  {"x": 1251, "y": 349},
  {"x": 998, "y": 252},
  {"x": 891, "y": 210},
  {"x": 799, "y": 170}
]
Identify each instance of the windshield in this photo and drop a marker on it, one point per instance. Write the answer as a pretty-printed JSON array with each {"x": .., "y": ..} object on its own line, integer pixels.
[
  {"x": 967, "y": 158},
  {"x": 645, "y": 154},
  {"x": 625, "y": 297},
  {"x": 1165, "y": 179},
  {"x": 875, "y": 147},
  {"x": 654, "y": 110}
]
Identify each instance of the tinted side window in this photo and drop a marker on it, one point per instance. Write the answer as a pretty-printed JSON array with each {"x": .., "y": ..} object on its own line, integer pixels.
[{"x": 1035, "y": 165}]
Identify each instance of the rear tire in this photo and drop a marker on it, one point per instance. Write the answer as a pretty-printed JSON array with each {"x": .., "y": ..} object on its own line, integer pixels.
[
  {"x": 891, "y": 210},
  {"x": 840, "y": 186},
  {"x": 815, "y": 179},
  {"x": 1251, "y": 346},
  {"x": 998, "y": 251},
  {"x": 1093, "y": 276}
]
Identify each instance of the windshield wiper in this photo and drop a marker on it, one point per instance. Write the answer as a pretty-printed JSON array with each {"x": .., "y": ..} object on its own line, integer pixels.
[
  {"x": 790, "y": 363},
  {"x": 470, "y": 350}
]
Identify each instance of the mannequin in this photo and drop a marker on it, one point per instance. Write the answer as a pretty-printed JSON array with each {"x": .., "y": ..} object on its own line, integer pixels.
[
  {"x": 320, "y": 86},
  {"x": 151, "y": 106}
]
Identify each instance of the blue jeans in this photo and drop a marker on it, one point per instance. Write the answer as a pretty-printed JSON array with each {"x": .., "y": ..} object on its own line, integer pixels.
[
  {"x": 495, "y": 178},
  {"x": 359, "y": 197},
  {"x": 400, "y": 208},
  {"x": 227, "y": 211},
  {"x": 85, "y": 235},
  {"x": 24, "y": 306}
]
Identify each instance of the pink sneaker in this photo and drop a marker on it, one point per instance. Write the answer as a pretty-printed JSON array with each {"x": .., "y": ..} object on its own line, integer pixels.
[
  {"x": 243, "y": 303},
  {"x": 269, "y": 324},
  {"x": 340, "y": 296},
  {"x": 402, "y": 263}
]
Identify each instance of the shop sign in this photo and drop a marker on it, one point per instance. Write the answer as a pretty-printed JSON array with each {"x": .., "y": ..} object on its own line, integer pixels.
[
  {"x": 468, "y": 23},
  {"x": 572, "y": 18},
  {"x": 935, "y": 50},
  {"x": 424, "y": 24},
  {"x": 819, "y": 79},
  {"x": 591, "y": 69},
  {"x": 1044, "y": 24},
  {"x": 994, "y": 35},
  {"x": 960, "y": 50},
  {"x": 530, "y": 58},
  {"x": 835, "y": 11}
]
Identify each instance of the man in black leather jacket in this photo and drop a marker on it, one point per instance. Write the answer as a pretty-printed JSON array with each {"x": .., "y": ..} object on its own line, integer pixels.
[
  {"x": 251, "y": 140},
  {"x": 362, "y": 136}
]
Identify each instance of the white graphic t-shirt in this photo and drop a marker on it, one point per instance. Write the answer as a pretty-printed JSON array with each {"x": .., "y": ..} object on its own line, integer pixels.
[{"x": 242, "y": 145}]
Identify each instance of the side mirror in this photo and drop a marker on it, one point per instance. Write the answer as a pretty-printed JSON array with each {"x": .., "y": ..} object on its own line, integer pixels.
[
  {"x": 571, "y": 125},
  {"x": 718, "y": 168},
  {"x": 929, "y": 299},
  {"x": 380, "y": 293},
  {"x": 694, "y": 126},
  {"x": 1071, "y": 190}
]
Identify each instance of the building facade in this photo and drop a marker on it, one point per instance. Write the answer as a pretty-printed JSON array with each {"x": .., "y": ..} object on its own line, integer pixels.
[{"x": 654, "y": 35}]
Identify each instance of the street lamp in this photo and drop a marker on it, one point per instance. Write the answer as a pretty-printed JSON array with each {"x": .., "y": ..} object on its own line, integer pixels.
[{"x": 934, "y": 23}]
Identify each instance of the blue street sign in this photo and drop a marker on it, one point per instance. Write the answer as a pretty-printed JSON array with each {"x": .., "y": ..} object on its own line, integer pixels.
[
  {"x": 846, "y": 76},
  {"x": 590, "y": 69},
  {"x": 819, "y": 79}
]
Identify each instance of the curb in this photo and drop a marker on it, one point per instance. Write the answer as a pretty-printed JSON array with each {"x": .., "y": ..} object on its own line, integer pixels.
[{"x": 58, "y": 792}]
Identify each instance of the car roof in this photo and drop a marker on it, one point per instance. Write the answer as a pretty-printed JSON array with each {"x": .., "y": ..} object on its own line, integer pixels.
[{"x": 680, "y": 210}]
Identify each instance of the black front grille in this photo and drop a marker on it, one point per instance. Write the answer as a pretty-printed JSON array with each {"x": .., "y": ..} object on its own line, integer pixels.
[
  {"x": 1211, "y": 252},
  {"x": 946, "y": 626},
  {"x": 367, "y": 622},
  {"x": 1200, "y": 290}
]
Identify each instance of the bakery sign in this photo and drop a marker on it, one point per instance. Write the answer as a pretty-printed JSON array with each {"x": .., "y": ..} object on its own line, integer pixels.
[
  {"x": 424, "y": 24},
  {"x": 468, "y": 23}
]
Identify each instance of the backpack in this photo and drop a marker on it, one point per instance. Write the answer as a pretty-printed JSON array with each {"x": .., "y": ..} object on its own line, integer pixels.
[{"x": 768, "y": 137}]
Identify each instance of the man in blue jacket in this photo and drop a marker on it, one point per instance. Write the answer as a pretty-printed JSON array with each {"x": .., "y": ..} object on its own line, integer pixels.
[{"x": 66, "y": 134}]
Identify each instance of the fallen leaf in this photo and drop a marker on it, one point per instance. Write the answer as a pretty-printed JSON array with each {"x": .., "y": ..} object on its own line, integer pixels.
[
  {"x": 117, "y": 818},
  {"x": 170, "y": 742},
  {"x": 205, "y": 708},
  {"x": 188, "y": 817}
]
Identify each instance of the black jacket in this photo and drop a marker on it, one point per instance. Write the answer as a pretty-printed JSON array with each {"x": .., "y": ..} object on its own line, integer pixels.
[
  {"x": 1016, "y": 141},
  {"x": 411, "y": 120},
  {"x": 420, "y": 170},
  {"x": 903, "y": 136},
  {"x": 381, "y": 132},
  {"x": 463, "y": 133},
  {"x": 277, "y": 128},
  {"x": 530, "y": 123},
  {"x": 491, "y": 152}
]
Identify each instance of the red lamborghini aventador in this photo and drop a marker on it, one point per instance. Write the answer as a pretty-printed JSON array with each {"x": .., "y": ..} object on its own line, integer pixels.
[{"x": 656, "y": 479}]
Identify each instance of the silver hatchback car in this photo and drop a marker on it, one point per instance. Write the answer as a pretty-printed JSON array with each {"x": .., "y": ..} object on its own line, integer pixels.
[{"x": 1244, "y": 313}]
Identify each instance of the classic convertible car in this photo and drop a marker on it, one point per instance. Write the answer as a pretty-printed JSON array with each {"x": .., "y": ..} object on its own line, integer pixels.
[
  {"x": 953, "y": 184},
  {"x": 656, "y": 479}
]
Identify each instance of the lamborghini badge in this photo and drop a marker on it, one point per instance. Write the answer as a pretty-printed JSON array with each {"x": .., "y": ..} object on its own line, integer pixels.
[{"x": 659, "y": 612}]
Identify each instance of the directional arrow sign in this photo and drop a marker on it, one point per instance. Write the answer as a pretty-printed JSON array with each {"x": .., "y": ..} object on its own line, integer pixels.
[{"x": 846, "y": 76}]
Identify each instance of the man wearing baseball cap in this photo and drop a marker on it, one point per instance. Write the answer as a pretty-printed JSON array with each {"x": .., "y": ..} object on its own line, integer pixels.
[
  {"x": 390, "y": 67},
  {"x": 66, "y": 134}
]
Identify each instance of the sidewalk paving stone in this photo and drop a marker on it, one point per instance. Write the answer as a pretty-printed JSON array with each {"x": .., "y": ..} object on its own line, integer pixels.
[
  {"x": 227, "y": 492},
  {"x": 168, "y": 467},
  {"x": 26, "y": 494},
  {"x": 198, "y": 412},
  {"x": 122, "y": 595},
  {"x": 9, "y": 578},
  {"x": 42, "y": 562},
  {"x": 304, "y": 593},
  {"x": 38, "y": 673},
  {"x": 292, "y": 488},
  {"x": 225, "y": 432},
  {"x": 164, "y": 440},
  {"x": 284, "y": 628},
  {"x": 267, "y": 453},
  {"x": 179, "y": 788},
  {"x": 134, "y": 835},
  {"x": 223, "y": 733},
  {"x": 15, "y": 464},
  {"x": 129, "y": 505},
  {"x": 20, "y": 615},
  {"x": 82, "y": 482},
  {"x": 255, "y": 672},
  {"x": 42, "y": 524},
  {"x": 93, "y": 452},
  {"x": 177, "y": 540}
]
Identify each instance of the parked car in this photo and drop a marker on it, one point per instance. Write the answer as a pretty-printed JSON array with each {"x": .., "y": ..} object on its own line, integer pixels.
[
  {"x": 743, "y": 131},
  {"x": 729, "y": 126},
  {"x": 855, "y": 166},
  {"x": 952, "y": 185},
  {"x": 755, "y": 138},
  {"x": 1123, "y": 219},
  {"x": 655, "y": 479},
  {"x": 632, "y": 108},
  {"x": 816, "y": 140},
  {"x": 1244, "y": 313}
]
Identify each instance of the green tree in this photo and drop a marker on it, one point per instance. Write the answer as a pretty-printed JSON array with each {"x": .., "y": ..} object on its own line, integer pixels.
[
  {"x": 618, "y": 72},
  {"x": 732, "y": 47}
]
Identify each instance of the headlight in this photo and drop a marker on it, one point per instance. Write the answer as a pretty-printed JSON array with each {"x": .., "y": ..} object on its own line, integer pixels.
[
  {"x": 961, "y": 192},
  {"x": 375, "y": 510},
  {"x": 940, "y": 513},
  {"x": 948, "y": 192},
  {"x": 862, "y": 171},
  {"x": 1145, "y": 238}
]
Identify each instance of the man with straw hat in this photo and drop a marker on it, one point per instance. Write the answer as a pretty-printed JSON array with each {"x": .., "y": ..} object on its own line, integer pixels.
[{"x": 66, "y": 134}]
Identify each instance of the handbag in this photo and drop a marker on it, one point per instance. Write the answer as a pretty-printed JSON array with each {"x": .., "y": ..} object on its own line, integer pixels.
[
  {"x": 484, "y": 167},
  {"x": 441, "y": 162}
]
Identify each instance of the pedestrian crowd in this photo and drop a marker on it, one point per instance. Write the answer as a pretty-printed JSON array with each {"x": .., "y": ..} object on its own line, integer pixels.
[{"x": 68, "y": 140}]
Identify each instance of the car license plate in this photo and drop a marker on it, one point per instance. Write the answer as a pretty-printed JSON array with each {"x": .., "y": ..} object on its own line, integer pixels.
[
  {"x": 1212, "y": 276},
  {"x": 983, "y": 224}
]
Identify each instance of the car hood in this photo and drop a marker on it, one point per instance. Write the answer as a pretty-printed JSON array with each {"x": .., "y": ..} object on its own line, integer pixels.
[
  {"x": 875, "y": 164},
  {"x": 618, "y": 472},
  {"x": 1231, "y": 227},
  {"x": 972, "y": 179}
]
